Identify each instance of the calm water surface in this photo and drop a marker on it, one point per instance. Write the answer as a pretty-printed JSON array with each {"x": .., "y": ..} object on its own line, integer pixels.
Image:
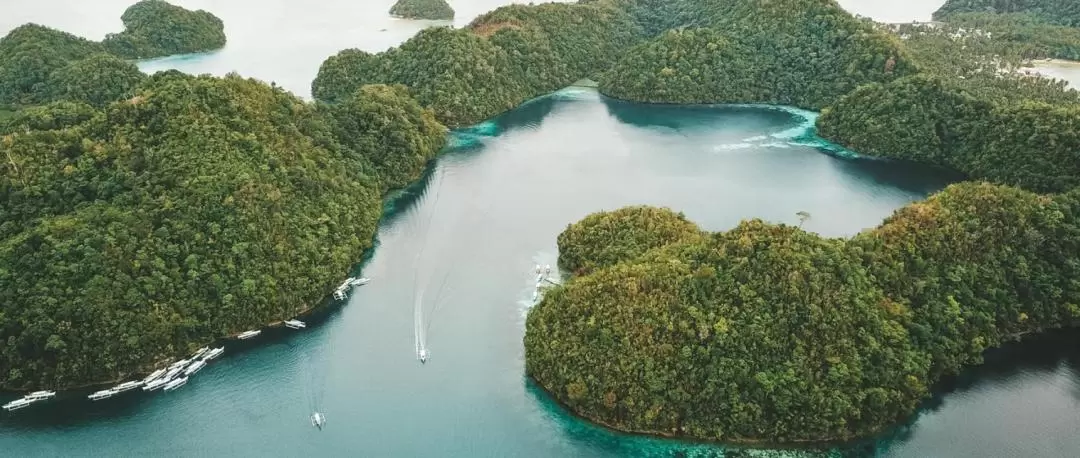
[{"x": 468, "y": 237}]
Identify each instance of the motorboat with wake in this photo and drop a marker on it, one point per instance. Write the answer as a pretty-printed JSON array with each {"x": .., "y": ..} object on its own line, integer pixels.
[
  {"x": 422, "y": 355},
  {"x": 318, "y": 420}
]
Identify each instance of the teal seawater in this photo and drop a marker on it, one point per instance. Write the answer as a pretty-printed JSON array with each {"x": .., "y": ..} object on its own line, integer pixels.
[{"x": 468, "y": 235}]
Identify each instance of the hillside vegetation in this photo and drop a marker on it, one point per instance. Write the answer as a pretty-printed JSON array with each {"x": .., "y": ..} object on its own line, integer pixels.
[
  {"x": 423, "y": 9},
  {"x": 766, "y": 333},
  {"x": 35, "y": 61},
  {"x": 197, "y": 208}
]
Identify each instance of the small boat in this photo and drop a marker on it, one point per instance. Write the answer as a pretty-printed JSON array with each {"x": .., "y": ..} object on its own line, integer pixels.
[
  {"x": 17, "y": 404},
  {"x": 39, "y": 395},
  {"x": 318, "y": 420},
  {"x": 423, "y": 355},
  {"x": 175, "y": 384},
  {"x": 157, "y": 383},
  {"x": 359, "y": 281},
  {"x": 172, "y": 373},
  {"x": 181, "y": 363},
  {"x": 214, "y": 353},
  {"x": 248, "y": 334},
  {"x": 295, "y": 324},
  {"x": 127, "y": 386},
  {"x": 154, "y": 376},
  {"x": 195, "y": 367},
  {"x": 339, "y": 294},
  {"x": 103, "y": 394},
  {"x": 198, "y": 354}
]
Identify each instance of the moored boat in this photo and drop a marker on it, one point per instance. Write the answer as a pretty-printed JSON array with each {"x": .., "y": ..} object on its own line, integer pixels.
[
  {"x": 127, "y": 386},
  {"x": 181, "y": 363},
  {"x": 103, "y": 394},
  {"x": 202, "y": 351},
  {"x": 359, "y": 281},
  {"x": 39, "y": 395},
  {"x": 214, "y": 353},
  {"x": 194, "y": 367},
  {"x": 248, "y": 334},
  {"x": 295, "y": 324},
  {"x": 17, "y": 404},
  {"x": 175, "y": 384},
  {"x": 155, "y": 384},
  {"x": 154, "y": 376}
]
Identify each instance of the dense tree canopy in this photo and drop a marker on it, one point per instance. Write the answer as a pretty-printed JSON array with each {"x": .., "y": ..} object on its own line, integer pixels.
[
  {"x": 759, "y": 52},
  {"x": 155, "y": 28},
  {"x": 621, "y": 235},
  {"x": 29, "y": 55},
  {"x": 97, "y": 80},
  {"x": 423, "y": 9},
  {"x": 769, "y": 333},
  {"x": 503, "y": 58},
  {"x": 1063, "y": 12},
  {"x": 198, "y": 208}
]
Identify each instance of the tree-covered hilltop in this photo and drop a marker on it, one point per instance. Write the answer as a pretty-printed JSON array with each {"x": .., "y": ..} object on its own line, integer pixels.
[
  {"x": 197, "y": 208},
  {"x": 29, "y": 55},
  {"x": 501, "y": 59},
  {"x": 1061, "y": 12},
  {"x": 39, "y": 64},
  {"x": 423, "y": 9},
  {"x": 806, "y": 53},
  {"x": 606, "y": 238},
  {"x": 1028, "y": 36},
  {"x": 767, "y": 333},
  {"x": 155, "y": 28}
]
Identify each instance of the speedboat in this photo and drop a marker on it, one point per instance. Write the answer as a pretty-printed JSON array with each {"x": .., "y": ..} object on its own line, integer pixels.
[
  {"x": 295, "y": 324},
  {"x": 318, "y": 420},
  {"x": 154, "y": 376},
  {"x": 199, "y": 353},
  {"x": 248, "y": 334},
  {"x": 17, "y": 404},
  {"x": 423, "y": 355},
  {"x": 175, "y": 384},
  {"x": 214, "y": 353},
  {"x": 40, "y": 395},
  {"x": 155, "y": 384},
  {"x": 194, "y": 367},
  {"x": 127, "y": 386},
  {"x": 103, "y": 394}
]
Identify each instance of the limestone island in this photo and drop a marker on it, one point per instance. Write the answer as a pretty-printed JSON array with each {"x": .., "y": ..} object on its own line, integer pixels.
[
  {"x": 154, "y": 28},
  {"x": 423, "y": 9}
]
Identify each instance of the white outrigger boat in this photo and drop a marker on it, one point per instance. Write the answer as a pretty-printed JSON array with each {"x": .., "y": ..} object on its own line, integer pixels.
[
  {"x": 172, "y": 385},
  {"x": 127, "y": 386},
  {"x": 17, "y": 404},
  {"x": 295, "y": 324},
  {"x": 154, "y": 376},
  {"x": 179, "y": 364},
  {"x": 214, "y": 353},
  {"x": 103, "y": 394},
  {"x": 202, "y": 351},
  {"x": 194, "y": 367},
  {"x": 248, "y": 334},
  {"x": 155, "y": 384},
  {"x": 40, "y": 395},
  {"x": 360, "y": 281}
]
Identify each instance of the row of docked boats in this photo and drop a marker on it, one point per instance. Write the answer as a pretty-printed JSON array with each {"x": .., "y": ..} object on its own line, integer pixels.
[
  {"x": 167, "y": 379},
  {"x": 31, "y": 398},
  {"x": 342, "y": 290}
]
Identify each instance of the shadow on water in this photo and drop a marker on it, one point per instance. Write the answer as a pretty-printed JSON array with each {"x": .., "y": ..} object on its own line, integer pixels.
[{"x": 908, "y": 176}]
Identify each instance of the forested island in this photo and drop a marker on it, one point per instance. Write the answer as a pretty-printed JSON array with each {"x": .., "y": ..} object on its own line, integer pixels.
[
  {"x": 423, "y": 9},
  {"x": 180, "y": 209},
  {"x": 37, "y": 63}
]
